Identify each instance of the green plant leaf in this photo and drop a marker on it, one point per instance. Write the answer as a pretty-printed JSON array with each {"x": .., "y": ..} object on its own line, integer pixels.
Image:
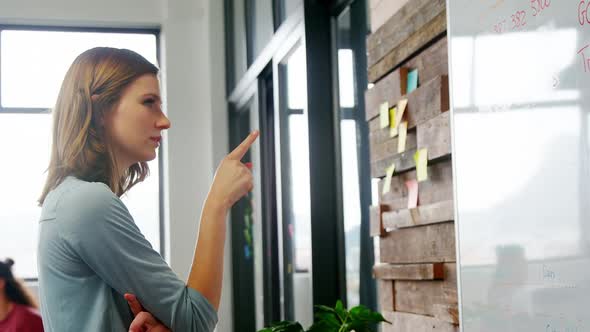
[
  {"x": 340, "y": 311},
  {"x": 284, "y": 326}
]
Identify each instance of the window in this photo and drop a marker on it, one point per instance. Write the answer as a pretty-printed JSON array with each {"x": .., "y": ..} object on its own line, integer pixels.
[{"x": 32, "y": 66}]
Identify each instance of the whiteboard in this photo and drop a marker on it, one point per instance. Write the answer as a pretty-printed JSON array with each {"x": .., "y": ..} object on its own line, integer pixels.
[{"x": 520, "y": 102}]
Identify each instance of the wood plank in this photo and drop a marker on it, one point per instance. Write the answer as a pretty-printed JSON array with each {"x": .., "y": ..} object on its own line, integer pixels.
[
  {"x": 375, "y": 213},
  {"x": 431, "y": 298},
  {"x": 404, "y": 322},
  {"x": 419, "y": 40},
  {"x": 438, "y": 187},
  {"x": 419, "y": 216},
  {"x": 426, "y": 244},
  {"x": 390, "y": 89},
  {"x": 429, "y": 271},
  {"x": 435, "y": 135},
  {"x": 388, "y": 148},
  {"x": 382, "y": 10},
  {"x": 447, "y": 313},
  {"x": 425, "y": 103},
  {"x": 386, "y": 294},
  {"x": 407, "y": 21},
  {"x": 430, "y": 63},
  {"x": 403, "y": 161}
]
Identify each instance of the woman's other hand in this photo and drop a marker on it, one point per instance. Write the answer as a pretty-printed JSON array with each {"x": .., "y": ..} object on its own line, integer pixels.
[{"x": 143, "y": 321}]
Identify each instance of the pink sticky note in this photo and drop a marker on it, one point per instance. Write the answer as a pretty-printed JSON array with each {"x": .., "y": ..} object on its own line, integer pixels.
[{"x": 412, "y": 193}]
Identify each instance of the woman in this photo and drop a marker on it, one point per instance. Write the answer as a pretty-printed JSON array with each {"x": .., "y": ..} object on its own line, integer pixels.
[
  {"x": 18, "y": 309},
  {"x": 107, "y": 124}
]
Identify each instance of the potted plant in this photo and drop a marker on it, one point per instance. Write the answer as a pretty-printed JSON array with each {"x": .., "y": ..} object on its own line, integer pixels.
[{"x": 337, "y": 319}]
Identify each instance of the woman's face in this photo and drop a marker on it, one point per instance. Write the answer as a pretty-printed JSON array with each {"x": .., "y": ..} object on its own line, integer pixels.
[{"x": 135, "y": 126}]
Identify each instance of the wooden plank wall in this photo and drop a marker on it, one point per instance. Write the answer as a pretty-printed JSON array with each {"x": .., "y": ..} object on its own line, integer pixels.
[{"x": 416, "y": 275}]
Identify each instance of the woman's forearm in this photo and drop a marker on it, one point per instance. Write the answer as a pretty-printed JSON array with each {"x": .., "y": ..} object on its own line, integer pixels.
[
  {"x": 233, "y": 180},
  {"x": 207, "y": 270}
]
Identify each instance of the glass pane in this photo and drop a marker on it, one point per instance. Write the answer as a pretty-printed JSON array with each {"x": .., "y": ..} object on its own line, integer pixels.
[
  {"x": 263, "y": 25},
  {"x": 240, "y": 58},
  {"x": 19, "y": 218},
  {"x": 350, "y": 174},
  {"x": 297, "y": 80},
  {"x": 299, "y": 153},
  {"x": 22, "y": 175},
  {"x": 289, "y": 7},
  {"x": 33, "y": 81},
  {"x": 295, "y": 182},
  {"x": 352, "y": 209},
  {"x": 346, "y": 78}
]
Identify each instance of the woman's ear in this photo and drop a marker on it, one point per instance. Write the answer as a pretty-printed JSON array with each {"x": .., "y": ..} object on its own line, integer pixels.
[{"x": 2, "y": 284}]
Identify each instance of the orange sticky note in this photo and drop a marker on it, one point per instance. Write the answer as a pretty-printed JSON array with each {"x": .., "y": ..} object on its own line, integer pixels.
[
  {"x": 412, "y": 193},
  {"x": 421, "y": 160},
  {"x": 403, "y": 133},
  {"x": 388, "y": 176},
  {"x": 401, "y": 108}
]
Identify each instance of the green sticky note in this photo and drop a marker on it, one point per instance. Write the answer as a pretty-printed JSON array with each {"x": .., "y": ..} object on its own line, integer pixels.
[
  {"x": 384, "y": 115},
  {"x": 412, "y": 81},
  {"x": 421, "y": 159},
  {"x": 388, "y": 176}
]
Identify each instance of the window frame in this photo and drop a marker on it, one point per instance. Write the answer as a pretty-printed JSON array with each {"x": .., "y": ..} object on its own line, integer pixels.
[{"x": 36, "y": 110}]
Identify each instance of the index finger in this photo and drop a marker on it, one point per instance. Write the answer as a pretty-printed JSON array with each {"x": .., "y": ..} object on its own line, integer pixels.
[
  {"x": 239, "y": 152},
  {"x": 134, "y": 304}
]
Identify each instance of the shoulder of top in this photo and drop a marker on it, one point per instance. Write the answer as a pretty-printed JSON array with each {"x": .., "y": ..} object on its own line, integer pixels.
[{"x": 82, "y": 193}]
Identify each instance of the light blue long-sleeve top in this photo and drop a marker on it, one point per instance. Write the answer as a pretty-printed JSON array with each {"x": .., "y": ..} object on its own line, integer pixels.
[{"x": 91, "y": 252}]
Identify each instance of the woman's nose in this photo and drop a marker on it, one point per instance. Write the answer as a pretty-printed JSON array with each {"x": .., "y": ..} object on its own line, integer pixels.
[{"x": 163, "y": 122}]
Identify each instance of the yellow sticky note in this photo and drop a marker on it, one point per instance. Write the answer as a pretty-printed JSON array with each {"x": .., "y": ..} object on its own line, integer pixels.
[
  {"x": 403, "y": 133},
  {"x": 392, "y": 122},
  {"x": 421, "y": 159},
  {"x": 384, "y": 115},
  {"x": 401, "y": 108},
  {"x": 388, "y": 176}
]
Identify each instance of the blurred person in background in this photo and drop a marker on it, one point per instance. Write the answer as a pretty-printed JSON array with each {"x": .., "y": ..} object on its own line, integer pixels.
[{"x": 18, "y": 308}]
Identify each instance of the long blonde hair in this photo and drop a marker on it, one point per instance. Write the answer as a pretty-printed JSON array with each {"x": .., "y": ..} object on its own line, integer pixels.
[{"x": 92, "y": 87}]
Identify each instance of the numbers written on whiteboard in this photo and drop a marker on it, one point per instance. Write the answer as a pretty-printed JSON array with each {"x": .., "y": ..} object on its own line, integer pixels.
[
  {"x": 583, "y": 12},
  {"x": 518, "y": 19},
  {"x": 539, "y": 5},
  {"x": 500, "y": 27}
]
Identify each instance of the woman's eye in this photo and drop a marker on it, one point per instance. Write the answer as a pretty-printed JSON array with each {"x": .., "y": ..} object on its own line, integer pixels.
[{"x": 150, "y": 101}]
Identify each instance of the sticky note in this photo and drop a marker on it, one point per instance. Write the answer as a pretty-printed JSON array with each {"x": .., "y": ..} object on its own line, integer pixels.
[
  {"x": 412, "y": 80},
  {"x": 412, "y": 186},
  {"x": 403, "y": 133},
  {"x": 388, "y": 176},
  {"x": 384, "y": 115},
  {"x": 392, "y": 123},
  {"x": 401, "y": 108},
  {"x": 392, "y": 118},
  {"x": 421, "y": 159},
  {"x": 393, "y": 132}
]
